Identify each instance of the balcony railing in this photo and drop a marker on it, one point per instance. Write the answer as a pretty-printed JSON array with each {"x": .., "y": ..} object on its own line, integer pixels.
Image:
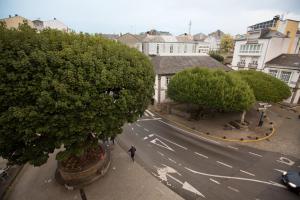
[
  {"x": 241, "y": 64},
  {"x": 252, "y": 65}
]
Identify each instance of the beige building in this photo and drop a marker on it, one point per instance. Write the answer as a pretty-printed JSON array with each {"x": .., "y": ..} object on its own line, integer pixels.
[{"x": 15, "y": 21}]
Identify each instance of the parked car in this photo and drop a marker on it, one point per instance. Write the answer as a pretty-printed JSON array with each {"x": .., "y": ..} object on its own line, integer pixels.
[{"x": 292, "y": 180}]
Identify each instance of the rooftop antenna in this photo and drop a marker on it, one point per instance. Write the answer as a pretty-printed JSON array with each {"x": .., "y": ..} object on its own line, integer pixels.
[{"x": 190, "y": 27}]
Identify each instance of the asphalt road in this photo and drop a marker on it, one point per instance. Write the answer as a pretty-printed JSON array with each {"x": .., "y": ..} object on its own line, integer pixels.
[{"x": 199, "y": 168}]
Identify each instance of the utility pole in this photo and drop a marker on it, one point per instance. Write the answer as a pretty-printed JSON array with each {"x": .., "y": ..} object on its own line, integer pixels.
[
  {"x": 263, "y": 109},
  {"x": 190, "y": 27}
]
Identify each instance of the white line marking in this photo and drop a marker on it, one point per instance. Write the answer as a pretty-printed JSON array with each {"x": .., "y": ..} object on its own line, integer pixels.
[
  {"x": 132, "y": 128},
  {"x": 162, "y": 144},
  {"x": 139, "y": 120},
  {"x": 235, "y": 178},
  {"x": 213, "y": 180},
  {"x": 145, "y": 138},
  {"x": 235, "y": 148},
  {"x": 279, "y": 170},
  {"x": 224, "y": 164},
  {"x": 148, "y": 111},
  {"x": 199, "y": 154},
  {"x": 173, "y": 161},
  {"x": 146, "y": 114},
  {"x": 277, "y": 183},
  {"x": 247, "y": 173},
  {"x": 172, "y": 142},
  {"x": 233, "y": 189},
  {"x": 160, "y": 153},
  {"x": 151, "y": 135},
  {"x": 138, "y": 125},
  {"x": 146, "y": 129},
  {"x": 255, "y": 154},
  {"x": 189, "y": 132}
]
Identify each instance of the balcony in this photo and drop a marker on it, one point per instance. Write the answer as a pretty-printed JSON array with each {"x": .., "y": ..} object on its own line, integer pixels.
[
  {"x": 241, "y": 64},
  {"x": 252, "y": 65}
]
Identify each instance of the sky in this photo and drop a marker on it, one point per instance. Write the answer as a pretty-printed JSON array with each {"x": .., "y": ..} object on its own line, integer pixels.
[{"x": 135, "y": 16}]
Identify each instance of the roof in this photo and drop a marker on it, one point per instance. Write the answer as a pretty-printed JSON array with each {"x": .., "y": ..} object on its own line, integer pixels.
[
  {"x": 199, "y": 37},
  {"x": 110, "y": 36},
  {"x": 184, "y": 38},
  {"x": 217, "y": 34},
  {"x": 174, "y": 64},
  {"x": 129, "y": 38},
  {"x": 266, "y": 34},
  {"x": 286, "y": 60}
]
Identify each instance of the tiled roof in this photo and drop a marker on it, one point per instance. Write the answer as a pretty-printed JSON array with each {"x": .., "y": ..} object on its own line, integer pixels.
[
  {"x": 174, "y": 64},
  {"x": 286, "y": 60}
]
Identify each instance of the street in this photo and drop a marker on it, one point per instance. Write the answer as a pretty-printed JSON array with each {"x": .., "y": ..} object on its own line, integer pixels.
[{"x": 199, "y": 168}]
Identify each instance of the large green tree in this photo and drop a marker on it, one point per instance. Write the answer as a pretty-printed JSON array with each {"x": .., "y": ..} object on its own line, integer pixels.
[
  {"x": 266, "y": 88},
  {"x": 66, "y": 89},
  {"x": 211, "y": 89},
  {"x": 227, "y": 43}
]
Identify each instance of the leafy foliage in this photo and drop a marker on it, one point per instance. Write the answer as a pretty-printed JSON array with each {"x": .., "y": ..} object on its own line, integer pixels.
[
  {"x": 266, "y": 88},
  {"x": 211, "y": 89},
  {"x": 216, "y": 55},
  {"x": 226, "y": 43},
  {"x": 66, "y": 89}
]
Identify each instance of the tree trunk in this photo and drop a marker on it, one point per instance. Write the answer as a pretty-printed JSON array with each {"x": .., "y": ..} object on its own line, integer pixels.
[{"x": 243, "y": 117}]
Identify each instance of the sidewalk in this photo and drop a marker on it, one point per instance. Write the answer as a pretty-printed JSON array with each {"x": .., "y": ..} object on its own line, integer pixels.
[{"x": 125, "y": 180}]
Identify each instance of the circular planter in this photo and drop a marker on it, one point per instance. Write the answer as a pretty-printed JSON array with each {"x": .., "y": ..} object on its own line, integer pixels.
[{"x": 73, "y": 179}]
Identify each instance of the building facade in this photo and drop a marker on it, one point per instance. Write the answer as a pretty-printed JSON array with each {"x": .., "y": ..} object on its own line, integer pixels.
[
  {"x": 286, "y": 67},
  {"x": 15, "y": 21},
  {"x": 214, "y": 40}
]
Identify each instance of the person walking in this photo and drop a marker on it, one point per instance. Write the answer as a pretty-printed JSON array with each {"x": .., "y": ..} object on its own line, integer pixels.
[
  {"x": 132, "y": 151},
  {"x": 112, "y": 138}
]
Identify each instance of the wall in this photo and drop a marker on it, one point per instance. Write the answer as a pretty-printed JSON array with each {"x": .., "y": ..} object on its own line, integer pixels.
[
  {"x": 13, "y": 22},
  {"x": 276, "y": 47}
]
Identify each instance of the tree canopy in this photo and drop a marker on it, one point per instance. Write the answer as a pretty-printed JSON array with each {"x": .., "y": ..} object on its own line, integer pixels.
[
  {"x": 211, "y": 89},
  {"x": 266, "y": 88},
  {"x": 66, "y": 89},
  {"x": 226, "y": 43}
]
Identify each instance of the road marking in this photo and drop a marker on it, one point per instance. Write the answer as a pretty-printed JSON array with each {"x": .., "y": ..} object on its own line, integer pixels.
[
  {"x": 247, "y": 172},
  {"x": 162, "y": 144},
  {"x": 132, "y": 128},
  {"x": 172, "y": 142},
  {"x": 190, "y": 188},
  {"x": 199, "y": 154},
  {"x": 224, "y": 164},
  {"x": 173, "y": 161},
  {"x": 235, "y": 148},
  {"x": 286, "y": 161},
  {"x": 138, "y": 125},
  {"x": 140, "y": 120},
  {"x": 235, "y": 178},
  {"x": 146, "y": 129},
  {"x": 150, "y": 113},
  {"x": 145, "y": 138},
  {"x": 277, "y": 183},
  {"x": 151, "y": 135},
  {"x": 233, "y": 189},
  {"x": 255, "y": 154},
  {"x": 279, "y": 170},
  {"x": 213, "y": 180},
  {"x": 160, "y": 153},
  {"x": 189, "y": 132},
  {"x": 146, "y": 114}
]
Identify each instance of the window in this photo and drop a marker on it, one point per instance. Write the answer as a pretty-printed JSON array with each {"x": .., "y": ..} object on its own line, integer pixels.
[
  {"x": 250, "y": 48},
  {"x": 273, "y": 72},
  {"x": 254, "y": 61},
  {"x": 157, "y": 49},
  {"x": 168, "y": 80},
  {"x": 285, "y": 76},
  {"x": 171, "y": 48}
]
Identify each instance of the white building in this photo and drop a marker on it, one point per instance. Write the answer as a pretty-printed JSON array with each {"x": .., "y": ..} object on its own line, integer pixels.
[
  {"x": 166, "y": 66},
  {"x": 52, "y": 24},
  {"x": 214, "y": 40},
  {"x": 253, "y": 51},
  {"x": 286, "y": 67}
]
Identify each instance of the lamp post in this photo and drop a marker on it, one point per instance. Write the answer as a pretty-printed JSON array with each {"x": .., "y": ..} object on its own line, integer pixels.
[{"x": 263, "y": 109}]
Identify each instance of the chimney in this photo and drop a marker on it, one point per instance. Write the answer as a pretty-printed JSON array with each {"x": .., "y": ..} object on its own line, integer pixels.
[
  {"x": 16, "y": 15},
  {"x": 9, "y": 16}
]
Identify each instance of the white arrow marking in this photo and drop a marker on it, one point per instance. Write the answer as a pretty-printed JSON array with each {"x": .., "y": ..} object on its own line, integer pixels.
[
  {"x": 279, "y": 170},
  {"x": 162, "y": 144},
  {"x": 172, "y": 142},
  {"x": 232, "y": 177},
  {"x": 190, "y": 188}
]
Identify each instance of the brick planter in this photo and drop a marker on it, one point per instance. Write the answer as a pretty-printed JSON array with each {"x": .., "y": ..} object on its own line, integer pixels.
[{"x": 72, "y": 179}]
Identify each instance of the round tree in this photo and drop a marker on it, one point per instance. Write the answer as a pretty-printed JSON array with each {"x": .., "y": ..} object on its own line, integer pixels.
[
  {"x": 66, "y": 89},
  {"x": 211, "y": 89},
  {"x": 266, "y": 88}
]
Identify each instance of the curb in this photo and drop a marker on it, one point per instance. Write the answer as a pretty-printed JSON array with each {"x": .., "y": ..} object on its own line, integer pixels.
[{"x": 216, "y": 137}]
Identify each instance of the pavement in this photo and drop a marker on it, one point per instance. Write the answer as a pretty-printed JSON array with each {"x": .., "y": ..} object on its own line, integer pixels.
[
  {"x": 197, "y": 167},
  {"x": 125, "y": 180}
]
